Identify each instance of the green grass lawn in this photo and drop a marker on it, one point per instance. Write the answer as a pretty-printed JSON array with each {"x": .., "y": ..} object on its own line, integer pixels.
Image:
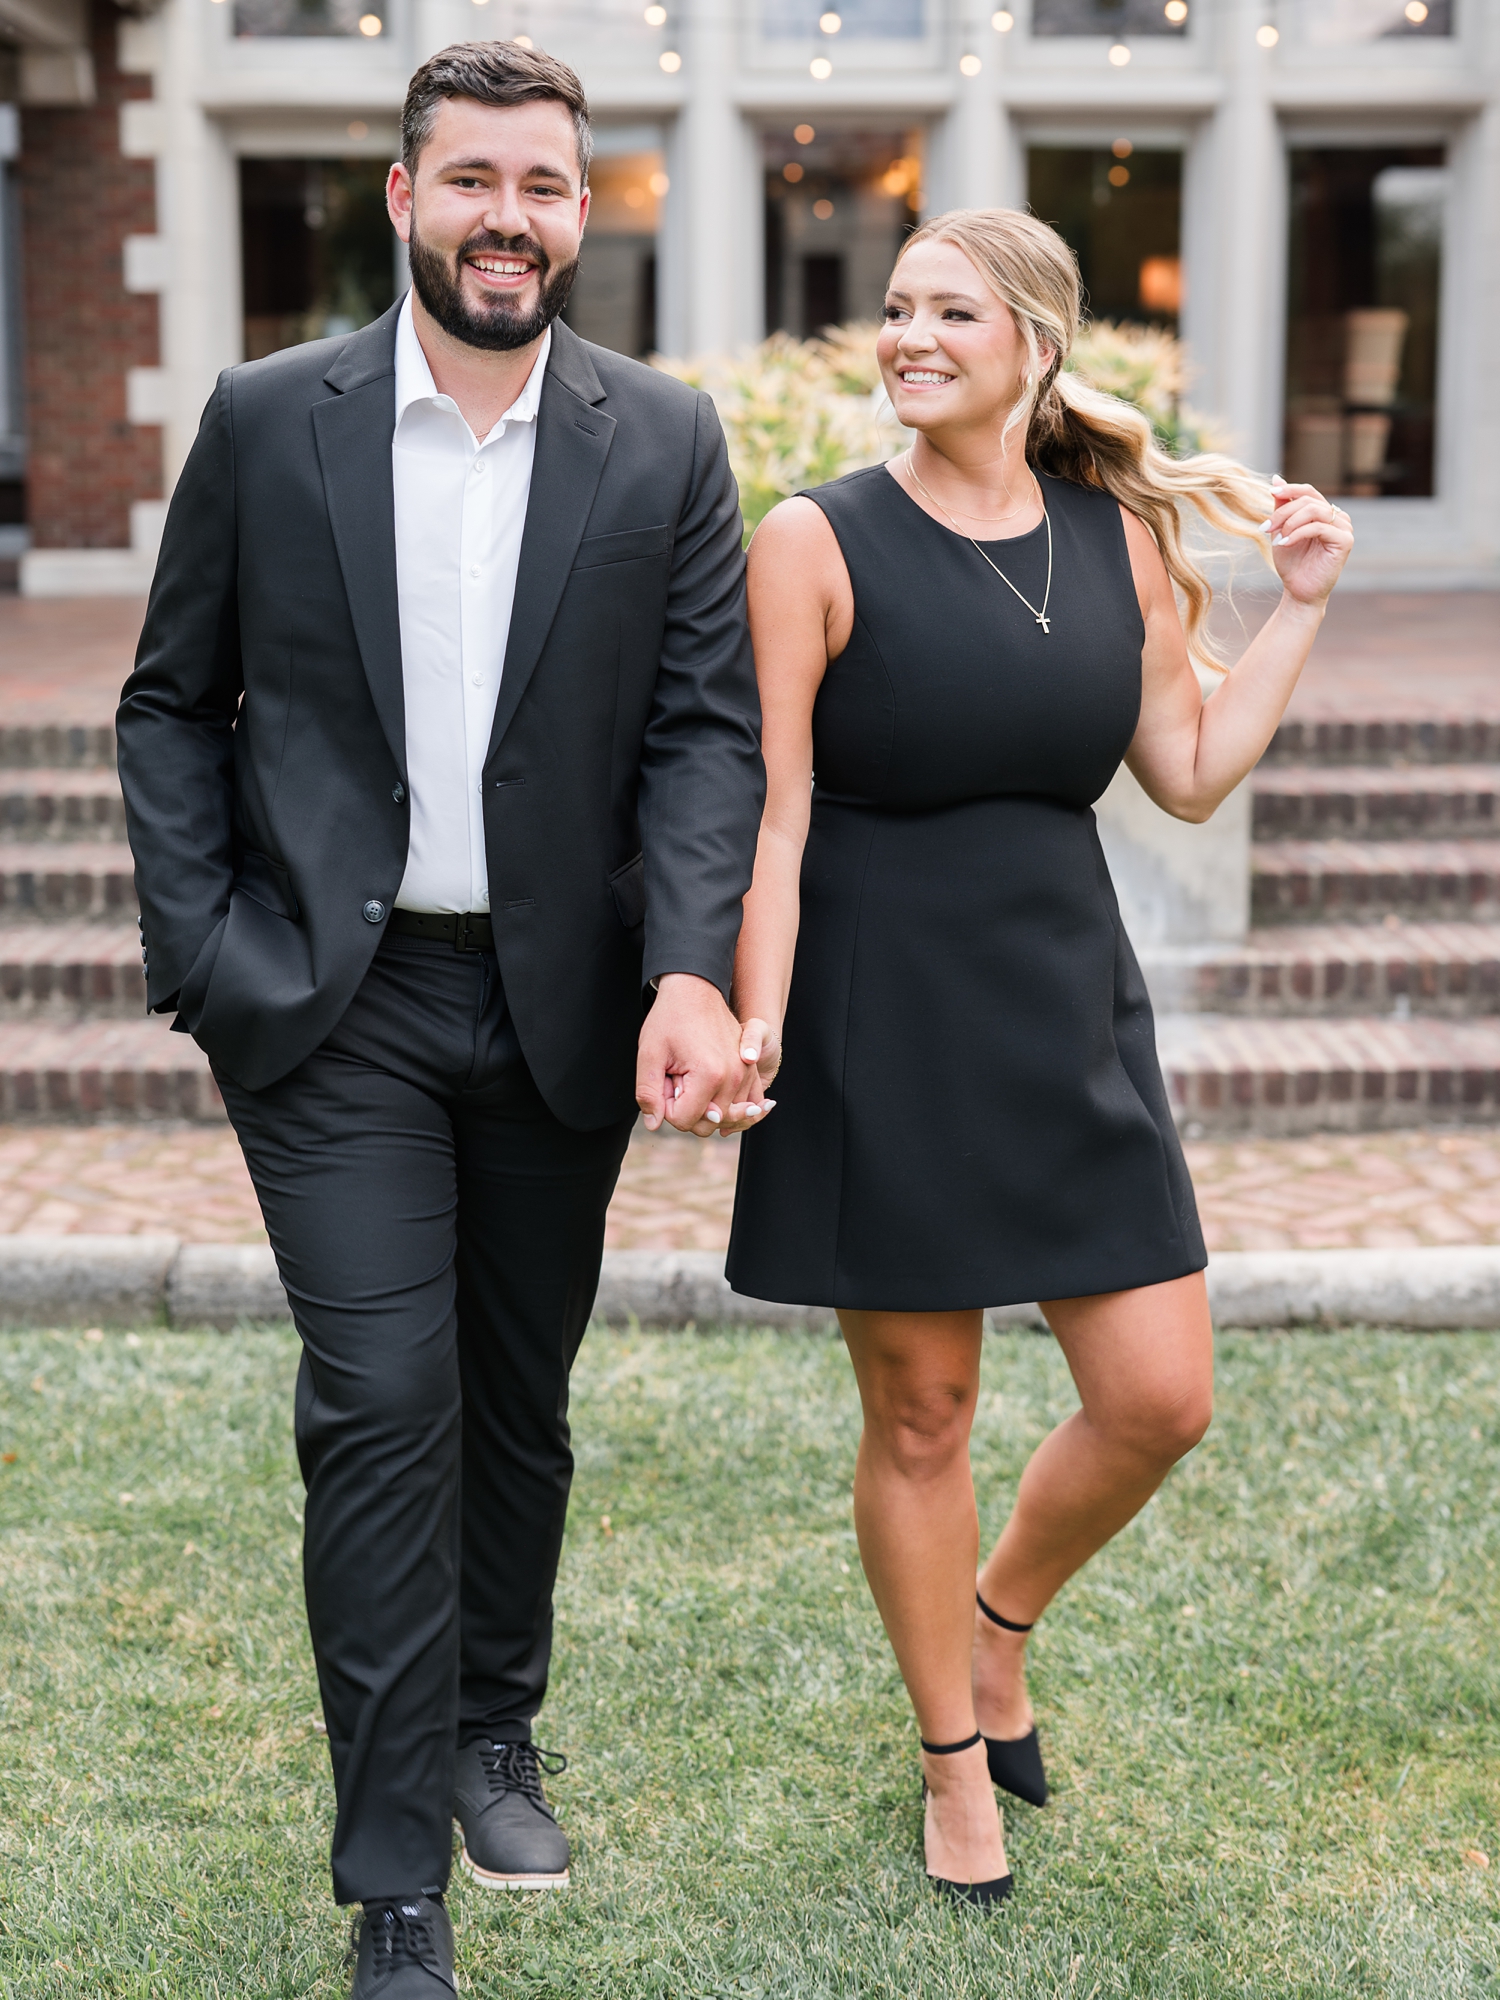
[{"x": 1271, "y": 1710}]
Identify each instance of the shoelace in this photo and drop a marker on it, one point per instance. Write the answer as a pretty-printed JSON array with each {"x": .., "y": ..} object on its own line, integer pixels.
[
  {"x": 402, "y": 1932},
  {"x": 518, "y": 1767}
]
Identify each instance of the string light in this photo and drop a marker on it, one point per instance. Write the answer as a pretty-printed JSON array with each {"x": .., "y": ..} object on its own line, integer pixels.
[
  {"x": 1267, "y": 36},
  {"x": 670, "y": 61},
  {"x": 970, "y": 65},
  {"x": 1415, "y": 12},
  {"x": 1119, "y": 55},
  {"x": 830, "y": 23},
  {"x": 656, "y": 17},
  {"x": 793, "y": 171},
  {"x": 820, "y": 69},
  {"x": 1176, "y": 12},
  {"x": 1003, "y": 22},
  {"x": 523, "y": 41},
  {"x": 1118, "y": 177},
  {"x": 370, "y": 25},
  {"x": 823, "y": 210},
  {"x": 1122, "y": 149},
  {"x": 803, "y": 134},
  {"x": 358, "y": 129},
  {"x": 658, "y": 183}
]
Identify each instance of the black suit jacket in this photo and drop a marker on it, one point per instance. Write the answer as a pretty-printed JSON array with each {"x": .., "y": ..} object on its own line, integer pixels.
[{"x": 262, "y": 733}]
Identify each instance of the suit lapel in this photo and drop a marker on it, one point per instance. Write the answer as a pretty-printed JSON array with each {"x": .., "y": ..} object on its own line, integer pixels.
[
  {"x": 354, "y": 432},
  {"x": 572, "y": 442}
]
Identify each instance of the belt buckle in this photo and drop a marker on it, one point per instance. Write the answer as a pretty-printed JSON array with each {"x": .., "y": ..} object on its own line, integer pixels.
[{"x": 461, "y": 933}]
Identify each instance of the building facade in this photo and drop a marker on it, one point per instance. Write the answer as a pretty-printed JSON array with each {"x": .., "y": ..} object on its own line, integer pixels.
[{"x": 1307, "y": 190}]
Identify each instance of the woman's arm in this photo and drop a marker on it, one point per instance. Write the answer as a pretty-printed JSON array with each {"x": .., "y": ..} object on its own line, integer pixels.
[
  {"x": 1189, "y": 754},
  {"x": 801, "y": 615}
]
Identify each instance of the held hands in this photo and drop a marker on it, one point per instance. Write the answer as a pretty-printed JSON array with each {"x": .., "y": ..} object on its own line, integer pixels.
[
  {"x": 697, "y": 1068},
  {"x": 1310, "y": 541}
]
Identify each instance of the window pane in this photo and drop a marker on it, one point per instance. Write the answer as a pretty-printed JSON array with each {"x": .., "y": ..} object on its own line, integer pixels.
[
  {"x": 1109, "y": 17},
  {"x": 1338, "y": 23},
  {"x": 867, "y": 20},
  {"x": 1365, "y": 252},
  {"x": 319, "y": 251},
  {"x": 361, "y": 18},
  {"x": 614, "y": 295},
  {"x": 1120, "y": 210},
  {"x": 838, "y": 204}
]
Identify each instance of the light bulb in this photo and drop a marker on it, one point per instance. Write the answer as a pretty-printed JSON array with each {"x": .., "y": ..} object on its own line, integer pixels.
[
  {"x": 803, "y": 134},
  {"x": 1176, "y": 12},
  {"x": 820, "y": 68},
  {"x": 1119, "y": 55},
  {"x": 970, "y": 65},
  {"x": 656, "y": 17},
  {"x": 670, "y": 61},
  {"x": 370, "y": 25},
  {"x": 830, "y": 23},
  {"x": 1003, "y": 22},
  {"x": 1267, "y": 36}
]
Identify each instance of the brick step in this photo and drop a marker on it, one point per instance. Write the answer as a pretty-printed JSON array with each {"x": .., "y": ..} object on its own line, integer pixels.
[
  {"x": 69, "y": 971},
  {"x": 1280, "y": 1078},
  {"x": 1450, "y": 970},
  {"x": 89, "y": 1070},
  {"x": 60, "y": 881},
  {"x": 1364, "y": 881},
  {"x": 1418, "y": 740},
  {"x": 51, "y": 805},
  {"x": 1427, "y": 801},
  {"x": 56, "y": 746}
]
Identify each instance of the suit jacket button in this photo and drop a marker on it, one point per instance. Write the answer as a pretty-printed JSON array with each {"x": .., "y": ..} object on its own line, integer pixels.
[
  {"x": 374, "y": 911},
  {"x": 398, "y": 793}
]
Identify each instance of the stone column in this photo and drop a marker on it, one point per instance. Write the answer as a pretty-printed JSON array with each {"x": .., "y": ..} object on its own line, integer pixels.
[{"x": 711, "y": 258}]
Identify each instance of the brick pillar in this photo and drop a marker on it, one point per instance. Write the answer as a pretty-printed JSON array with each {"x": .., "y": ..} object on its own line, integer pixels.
[{"x": 79, "y": 200}]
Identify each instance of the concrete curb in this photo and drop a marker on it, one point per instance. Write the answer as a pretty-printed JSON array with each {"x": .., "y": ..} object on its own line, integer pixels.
[{"x": 132, "y": 1280}]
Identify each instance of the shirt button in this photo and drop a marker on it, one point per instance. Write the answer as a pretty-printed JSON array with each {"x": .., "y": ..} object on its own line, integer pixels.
[
  {"x": 477, "y": 679},
  {"x": 373, "y": 911},
  {"x": 478, "y": 467},
  {"x": 474, "y": 570}
]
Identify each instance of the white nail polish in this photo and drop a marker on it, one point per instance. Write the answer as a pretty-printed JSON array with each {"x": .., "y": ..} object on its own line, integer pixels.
[
  {"x": 714, "y": 1117},
  {"x": 1277, "y": 540},
  {"x": 752, "y": 1111}
]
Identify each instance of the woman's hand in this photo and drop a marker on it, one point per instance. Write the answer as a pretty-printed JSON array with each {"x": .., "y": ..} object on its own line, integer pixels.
[{"x": 1310, "y": 541}]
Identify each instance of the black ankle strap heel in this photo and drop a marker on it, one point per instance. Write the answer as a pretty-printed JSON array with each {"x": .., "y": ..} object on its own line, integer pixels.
[
  {"x": 1005, "y": 1624},
  {"x": 1016, "y": 1762},
  {"x": 982, "y": 1893},
  {"x": 950, "y": 1749}
]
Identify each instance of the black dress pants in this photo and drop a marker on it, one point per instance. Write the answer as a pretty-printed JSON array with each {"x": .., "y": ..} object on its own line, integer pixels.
[{"x": 439, "y": 1234}]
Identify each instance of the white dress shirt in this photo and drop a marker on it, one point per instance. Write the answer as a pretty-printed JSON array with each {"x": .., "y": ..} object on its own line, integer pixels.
[{"x": 460, "y": 511}]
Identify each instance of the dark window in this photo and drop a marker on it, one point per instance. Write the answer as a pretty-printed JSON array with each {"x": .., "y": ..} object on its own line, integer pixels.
[
  {"x": 614, "y": 295},
  {"x": 839, "y": 204},
  {"x": 1120, "y": 210},
  {"x": 319, "y": 250},
  {"x": 822, "y": 293},
  {"x": 1111, "y": 17},
  {"x": 364, "y": 19},
  {"x": 1365, "y": 253},
  {"x": 1339, "y": 23}
]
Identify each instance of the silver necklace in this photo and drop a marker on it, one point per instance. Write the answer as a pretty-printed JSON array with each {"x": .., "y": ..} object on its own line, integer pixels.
[{"x": 1040, "y": 616}]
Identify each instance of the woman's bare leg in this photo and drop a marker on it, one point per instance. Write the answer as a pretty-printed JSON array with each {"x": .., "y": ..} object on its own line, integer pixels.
[
  {"x": 1143, "y": 1365},
  {"x": 918, "y": 1530}
]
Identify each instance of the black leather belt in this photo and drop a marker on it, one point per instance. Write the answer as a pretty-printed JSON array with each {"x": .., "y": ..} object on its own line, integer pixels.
[{"x": 470, "y": 932}]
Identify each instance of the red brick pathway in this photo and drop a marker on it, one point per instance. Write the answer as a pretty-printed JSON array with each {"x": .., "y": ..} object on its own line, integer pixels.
[{"x": 1331, "y": 1192}]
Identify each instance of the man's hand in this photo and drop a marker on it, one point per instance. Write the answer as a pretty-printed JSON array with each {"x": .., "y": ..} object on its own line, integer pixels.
[{"x": 693, "y": 1069}]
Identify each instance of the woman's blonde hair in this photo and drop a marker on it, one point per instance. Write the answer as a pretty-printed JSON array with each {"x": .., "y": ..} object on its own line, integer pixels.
[{"x": 1079, "y": 433}]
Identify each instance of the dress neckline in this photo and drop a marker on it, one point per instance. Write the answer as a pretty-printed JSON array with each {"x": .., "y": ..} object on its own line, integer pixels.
[{"x": 957, "y": 534}]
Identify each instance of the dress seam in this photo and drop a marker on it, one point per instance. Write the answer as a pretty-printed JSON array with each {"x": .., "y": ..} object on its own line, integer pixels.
[{"x": 838, "y": 1217}]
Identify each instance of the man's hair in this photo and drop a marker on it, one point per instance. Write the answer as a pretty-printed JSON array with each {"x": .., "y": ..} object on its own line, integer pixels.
[{"x": 492, "y": 73}]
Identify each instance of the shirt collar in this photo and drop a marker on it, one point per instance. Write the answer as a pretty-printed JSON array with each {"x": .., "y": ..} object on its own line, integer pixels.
[{"x": 414, "y": 383}]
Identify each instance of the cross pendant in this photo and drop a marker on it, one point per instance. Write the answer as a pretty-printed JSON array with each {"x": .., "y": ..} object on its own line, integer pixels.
[{"x": 1045, "y": 623}]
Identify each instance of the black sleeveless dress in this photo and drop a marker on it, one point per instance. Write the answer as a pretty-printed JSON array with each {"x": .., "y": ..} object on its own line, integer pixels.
[{"x": 970, "y": 1110}]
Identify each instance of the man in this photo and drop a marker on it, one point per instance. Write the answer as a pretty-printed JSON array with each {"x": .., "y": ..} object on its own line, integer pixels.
[{"x": 439, "y": 752}]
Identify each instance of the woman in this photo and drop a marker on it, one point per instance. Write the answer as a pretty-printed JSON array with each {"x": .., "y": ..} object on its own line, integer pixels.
[{"x": 955, "y": 652}]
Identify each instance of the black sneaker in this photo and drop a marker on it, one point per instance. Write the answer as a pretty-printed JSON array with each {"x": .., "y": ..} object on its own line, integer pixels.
[
  {"x": 511, "y": 1840},
  {"x": 403, "y": 1950}
]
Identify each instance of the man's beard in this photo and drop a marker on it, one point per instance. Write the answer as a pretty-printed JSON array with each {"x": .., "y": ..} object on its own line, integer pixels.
[{"x": 496, "y": 324}]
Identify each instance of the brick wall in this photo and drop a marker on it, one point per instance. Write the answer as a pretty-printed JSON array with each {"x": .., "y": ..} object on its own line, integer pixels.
[{"x": 79, "y": 200}]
